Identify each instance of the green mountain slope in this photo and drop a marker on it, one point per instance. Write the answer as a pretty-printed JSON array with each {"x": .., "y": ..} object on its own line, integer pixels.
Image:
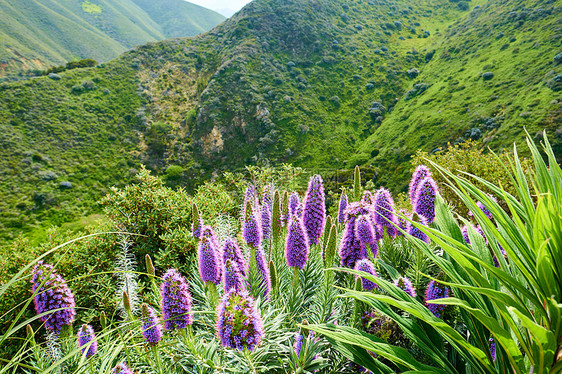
[
  {"x": 320, "y": 84},
  {"x": 35, "y": 34}
]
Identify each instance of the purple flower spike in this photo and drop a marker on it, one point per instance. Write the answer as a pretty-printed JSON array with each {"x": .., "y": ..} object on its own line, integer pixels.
[
  {"x": 263, "y": 270},
  {"x": 420, "y": 174},
  {"x": 351, "y": 250},
  {"x": 296, "y": 245},
  {"x": 176, "y": 301},
  {"x": 251, "y": 231},
  {"x": 297, "y": 346},
  {"x": 484, "y": 209},
  {"x": 53, "y": 294},
  {"x": 239, "y": 323},
  {"x": 424, "y": 203},
  {"x": 405, "y": 285},
  {"x": 435, "y": 291},
  {"x": 151, "y": 327},
  {"x": 266, "y": 221},
  {"x": 268, "y": 193},
  {"x": 492, "y": 348},
  {"x": 209, "y": 233},
  {"x": 384, "y": 212},
  {"x": 197, "y": 227},
  {"x": 294, "y": 202},
  {"x": 365, "y": 233},
  {"x": 417, "y": 233},
  {"x": 231, "y": 251},
  {"x": 403, "y": 222},
  {"x": 122, "y": 369},
  {"x": 368, "y": 198},
  {"x": 314, "y": 214},
  {"x": 250, "y": 198},
  {"x": 368, "y": 267},
  {"x": 232, "y": 277},
  {"x": 342, "y": 207},
  {"x": 85, "y": 336},
  {"x": 209, "y": 264}
]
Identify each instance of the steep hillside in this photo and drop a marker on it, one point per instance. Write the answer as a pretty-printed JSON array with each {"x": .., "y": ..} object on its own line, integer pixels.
[
  {"x": 35, "y": 34},
  {"x": 493, "y": 74},
  {"x": 320, "y": 84}
]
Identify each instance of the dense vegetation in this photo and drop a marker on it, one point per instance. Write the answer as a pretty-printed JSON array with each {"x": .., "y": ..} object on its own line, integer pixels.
[
  {"x": 323, "y": 85},
  {"x": 37, "y": 34},
  {"x": 424, "y": 289}
]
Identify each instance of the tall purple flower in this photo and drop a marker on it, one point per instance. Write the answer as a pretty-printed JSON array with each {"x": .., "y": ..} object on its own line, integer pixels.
[
  {"x": 405, "y": 285},
  {"x": 268, "y": 193},
  {"x": 492, "y": 348},
  {"x": 420, "y": 174},
  {"x": 151, "y": 327},
  {"x": 368, "y": 198},
  {"x": 424, "y": 203},
  {"x": 251, "y": 231},
  {"x": 231, "y": 251},
  {"x": 314, "y": 214},
  {"x": 368, "y": 267},
  {"x": 297, "y": 345},
  {"x": 52, "y": 294},
  {"x": 239, "y": 323},
  {"x": 365, "y": 233},
  {"x": 209, "y": 233},
  {"x": 435, "y": 291},
  {"x": 384, "y": 212},
  {"x": 417, "y": 233},
  {"x": 484, "y": 209},
  {"x": 263, "y": 270},
  {"x": 232, "y": 276},
  {"x": 197, "y": 227},
  {"x": 209, "y": 262},
  {"x": 122, "y": 369},
  {"x": 266, "y": 221},
  {"x": 294, "y": 202},
  {"x": 176, "y": 301},
  {"x": 351, "y": 249},
  {"x": 403, "y": 222},
  {"x": 251, "y": 199},
  {"x": 342, "y": 207},
  {"x": 296, "y": 244},
  {"x": 85, "y": 336}
]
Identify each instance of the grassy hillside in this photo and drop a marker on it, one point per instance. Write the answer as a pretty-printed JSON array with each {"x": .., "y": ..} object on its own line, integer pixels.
[
  {"x": 35, "y": 34},
  {"x": 320, "y": 84},
  {"x": 515, "y": 41}
]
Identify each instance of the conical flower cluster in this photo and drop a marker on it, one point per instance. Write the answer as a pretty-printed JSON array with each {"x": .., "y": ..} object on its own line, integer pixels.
[
  {"x": 365, "y": 232},
  {"x": 251, "y": 231},
  {"x": 483, "y": 209},
  {"x": 405, "y": 285},
  {"x": 239, "y": 323},
  {"x": 296, "y": 245},
  {"x": 151, "y": 327},
  {"x": 231, "y": 251},
  {"x": 424, "y": 202},
  {"x": 420, "y": 174},
  {"x": 435, "y": 291},
  {"x": 297, "y": 345},
  {"x": 342, "y": 207},
  {"x": 209, "y": 262},
  {"x": 266, "y": 221},
  {"x": 85, "y": 336},
  {"x": 417, "y": 233},
  {"x": 351, "y": 250},
  {"x": 232, "y": 277},
  {"x": 294, "y": 202},
  {"x": 176, "y": 301},
  {"x": 385, "y": 216},
  {"x": 250, "y": 200},
  {"x": 368, "y": 267},
  {"x": 314, "y": 214},
  {"x": 51, "y": 292}
]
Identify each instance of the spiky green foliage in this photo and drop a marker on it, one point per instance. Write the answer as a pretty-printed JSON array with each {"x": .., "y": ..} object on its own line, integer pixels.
[{"x": 517, "y": 303}]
